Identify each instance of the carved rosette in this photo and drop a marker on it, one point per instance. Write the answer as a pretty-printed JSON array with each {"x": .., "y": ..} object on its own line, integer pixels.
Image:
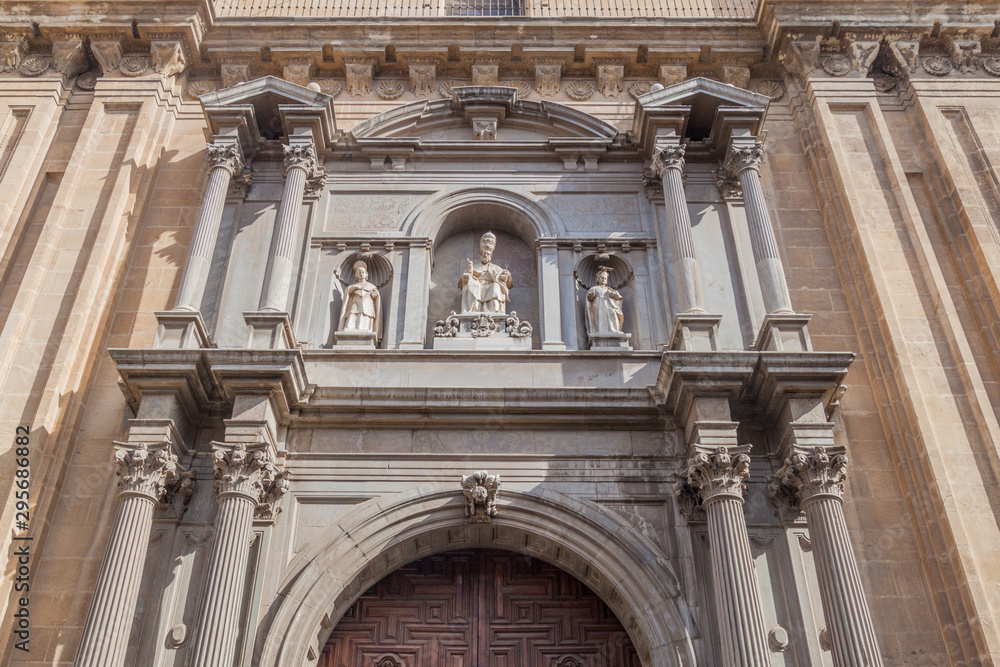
[
  {"x": 481, "y": 490},
  {"x": 741, "y": 158},
  {"x": 548, "y": 77},
  {"x": 810, "y": 473},
  {"x": 667, "y": 157},
  {"x": 714, "y": 474},
  {"x": 155, "y": 474},
  {"x": 253, "y": 475}
]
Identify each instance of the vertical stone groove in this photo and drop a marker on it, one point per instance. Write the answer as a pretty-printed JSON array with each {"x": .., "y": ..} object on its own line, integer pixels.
[
  {"x": 206, "y": 232},
  {"x": 285, "y": 227}
]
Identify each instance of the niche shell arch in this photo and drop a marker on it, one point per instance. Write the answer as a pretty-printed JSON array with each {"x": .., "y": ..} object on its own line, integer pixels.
[
  {"x": 598, "y": 547},
  {"x": 430, "y": 220}
]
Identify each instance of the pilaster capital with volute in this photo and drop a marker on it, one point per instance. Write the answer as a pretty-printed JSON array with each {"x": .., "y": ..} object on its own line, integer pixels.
[
  {"x": 742, "y": 157},
  {"x": 667, "y": 156},
  {"x": 810, "y": 473},
  {"x": 714, "y": 473},
  {"x": 226, "y": 155},
  {"x": 300, "y": 156},
  {"x": 253, "y": 475},
  {"x": 154, "y": 474}
]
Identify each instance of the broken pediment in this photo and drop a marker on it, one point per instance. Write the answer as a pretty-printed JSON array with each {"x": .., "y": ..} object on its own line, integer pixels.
[
  {"x": 271, "y": 108},
  {"x": 701, "y": 112},
  {"x": 483, "y": 113}
]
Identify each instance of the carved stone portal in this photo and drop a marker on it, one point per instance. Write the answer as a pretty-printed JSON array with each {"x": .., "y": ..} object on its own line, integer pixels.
[{"x": 481, "y": 490}]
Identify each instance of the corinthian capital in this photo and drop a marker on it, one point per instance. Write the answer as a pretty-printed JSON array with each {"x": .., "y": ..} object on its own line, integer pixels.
[
  {"x": 301, "y": 156},
  {"x": 227, "y": 156},
  {"x": 741, "y": 158},
  {"x": 809, "y": 473},
  {"x": 667, "y": 156},
  {"x": 254, "y": 475},
  {"x": 715, "y": 472},
  {"x": 153, "y": 474}
]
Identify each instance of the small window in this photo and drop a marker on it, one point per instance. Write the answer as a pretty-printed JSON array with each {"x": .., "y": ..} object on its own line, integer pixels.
[{"x": 485, "y": 8}]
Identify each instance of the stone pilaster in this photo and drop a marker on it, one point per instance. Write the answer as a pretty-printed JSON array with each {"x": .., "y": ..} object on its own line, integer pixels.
[
  {"x": 245, "y": 480},
  {"x": 301, "y": 165},
  {"x": 715, "y": 474},
  {"x": 147, "y": 478},
  {"x": 812, "y": 479}
]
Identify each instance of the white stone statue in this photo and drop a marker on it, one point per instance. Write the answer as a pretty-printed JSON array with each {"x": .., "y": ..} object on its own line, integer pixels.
[
  {"x": 362, "y": 309},
  {"x": 485, "y": 286},
  {"x": 604, "y": 306}
]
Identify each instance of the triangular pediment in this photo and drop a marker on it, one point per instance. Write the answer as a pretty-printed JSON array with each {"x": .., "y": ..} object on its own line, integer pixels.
[
  {"x": 271, "y": 107},
  {"x": 454, "y": 120},
  {"x": 700, "y": 111}
]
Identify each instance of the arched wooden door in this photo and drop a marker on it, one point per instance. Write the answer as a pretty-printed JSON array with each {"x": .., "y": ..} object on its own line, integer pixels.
[{"x": 479, "y": 609}]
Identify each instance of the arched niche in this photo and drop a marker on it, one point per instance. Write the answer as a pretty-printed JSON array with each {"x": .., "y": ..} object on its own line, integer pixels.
[{"x": 604, "y": 551}]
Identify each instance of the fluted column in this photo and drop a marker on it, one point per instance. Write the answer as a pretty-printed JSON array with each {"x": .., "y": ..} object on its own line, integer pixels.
[
  {"x": 244, "y": 482},
  {"x": 227, "y": 161},
  {"x": 717, "y": 477},
  {"x": 814, "y": 478},
  {"x": 146, "y": 478},
  {"x": 743, "y": 162},
  {"x": 300, "y": 165},
  {"x": 668, "y": 165}
]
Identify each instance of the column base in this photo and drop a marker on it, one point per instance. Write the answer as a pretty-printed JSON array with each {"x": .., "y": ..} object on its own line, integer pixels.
[
  {"x": 181, "y": 330},
  {"x": 355, "y": 340},
  {"x": 695, "y": 332},
  {"x": 783, "y": 332},
  {"x": 269, "y": 330},
  {"x": 610, "y": 341}
]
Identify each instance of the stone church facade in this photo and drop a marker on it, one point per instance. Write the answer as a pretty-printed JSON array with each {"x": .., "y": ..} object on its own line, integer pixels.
[{"x": 498, "y": 332}]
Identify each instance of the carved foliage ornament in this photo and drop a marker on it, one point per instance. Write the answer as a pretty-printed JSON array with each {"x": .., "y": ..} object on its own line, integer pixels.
[
  {"x": 810, "y": 473},
  {"x": 715, "y": 473},
  {"x": 480, "y": 490},
  {"x": 227, "y": 156},
  {"x": 154, "y": 474},
  {"x": 253, "y": 475},
  {"x": 667, "y": 157},
  {"x": 300, "y": 156},
  {"x": 741, "y": 158}
]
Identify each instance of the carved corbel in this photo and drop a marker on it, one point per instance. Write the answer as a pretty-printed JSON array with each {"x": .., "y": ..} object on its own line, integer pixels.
[
  {"x": 904, "y": 58},
  {"x": 673, "y": 73},
  {"x": 548, "y": 77},
  {"x": 610, "y": 75},
  {"x": 736, "y": 75},
  {"x": 486, "y": 72},
  {"x": 168, "y": 57},
  {"x": 235, "y": 70},
  {"x": 107, "y": 50},
  {"x": 423, "y": 76},
  {"x": 802, "y": 55},
  {"x": 12, "y": 49},
  {"x": 862, "y": 54},
  {"x": 965, "y": 54},
  {"x": 360, "y": 72},
  {"x": 480, "y": 490},
  {"x": 296, "y": 70},
  {"x": 69, "y": 56}
]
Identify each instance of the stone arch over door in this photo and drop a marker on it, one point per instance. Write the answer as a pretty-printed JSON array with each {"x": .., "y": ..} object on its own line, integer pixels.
[{"x": 596, "y": 546}]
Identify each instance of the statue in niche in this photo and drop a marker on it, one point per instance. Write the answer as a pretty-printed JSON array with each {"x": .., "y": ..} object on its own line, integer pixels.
[
  {"x": 362, "y": 309},
  {"x": 485, "y": 286},
  {"x": 604, "y": 306}
]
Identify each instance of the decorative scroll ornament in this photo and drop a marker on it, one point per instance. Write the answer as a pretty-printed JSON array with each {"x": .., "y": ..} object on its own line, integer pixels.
[
  {"x": 228, "y": 156},
  {"x": 483, "y": 326},
  {"x": 836, "y": 65},
  {"x": 714, "y": 473},
  {"x": 448, "y": 327},
  {"x": 808, "y": 473},
  {"x": 253, "y": 475},
  {"x": 667, "y": 157},
  {"x": 579, "y": 90},
  {"x": 937, "y": 66},
  {"x": 517, "y": 328},
  {"x": 155, "y": 475},
  {"x": 33, "y": 66},
  {"x": 729, "y": 187},
  {"x": 481, "y": 490},
  {"x": 741, "y": 158},
  {"x": 300, "y": 156},
  {"x": 133, "y": 66}
]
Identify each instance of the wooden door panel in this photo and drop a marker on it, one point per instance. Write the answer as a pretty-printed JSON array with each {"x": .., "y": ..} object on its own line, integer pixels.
[{"x": 479, "y": 609}]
